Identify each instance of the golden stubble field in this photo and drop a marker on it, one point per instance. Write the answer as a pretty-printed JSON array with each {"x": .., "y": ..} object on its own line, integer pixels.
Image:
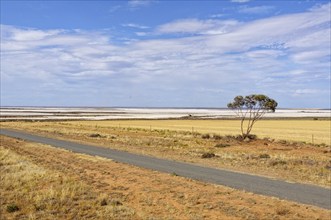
[
  {"x": 41, "y": 182},
  {"x": 317, "y": 131}
]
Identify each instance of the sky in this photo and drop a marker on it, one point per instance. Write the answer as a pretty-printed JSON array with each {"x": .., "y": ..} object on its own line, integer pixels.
[{"x": 158, "y": 53}]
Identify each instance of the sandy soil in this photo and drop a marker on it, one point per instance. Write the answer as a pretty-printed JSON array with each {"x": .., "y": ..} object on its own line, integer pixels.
[{"x": 154, "y": 195}]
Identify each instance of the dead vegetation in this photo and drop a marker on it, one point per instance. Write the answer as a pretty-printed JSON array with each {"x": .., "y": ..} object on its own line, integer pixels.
[
  {"x": 29, "y": 190},
  {"x": 41, "y": 182},
  {"x": 289, "y": 160}
]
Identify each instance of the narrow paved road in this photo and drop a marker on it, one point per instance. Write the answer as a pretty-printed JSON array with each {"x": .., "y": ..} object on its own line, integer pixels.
[{"x": 302, "y": 193}]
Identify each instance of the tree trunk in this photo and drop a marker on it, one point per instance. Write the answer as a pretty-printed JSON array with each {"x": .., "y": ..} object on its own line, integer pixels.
[{"x": 242, "y": 128}]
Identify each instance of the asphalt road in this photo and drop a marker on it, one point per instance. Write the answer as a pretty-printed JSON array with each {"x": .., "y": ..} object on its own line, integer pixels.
[{"x": 302, "y": 193}]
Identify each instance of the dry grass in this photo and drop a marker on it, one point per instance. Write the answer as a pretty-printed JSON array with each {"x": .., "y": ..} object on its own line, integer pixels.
[
  {"x": 286, "y": 160},
  {"x": 59, "y": 174},
  {"x": 317, "y": 131},
  {"x": 29, "y": 191},
  {"x": 293, "y": 130}
]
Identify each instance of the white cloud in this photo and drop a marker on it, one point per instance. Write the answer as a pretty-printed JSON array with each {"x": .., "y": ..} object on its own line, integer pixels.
[
  {"x": 318, "y": 38},
  {"x": 132, "y": 25},
  {"x": 308, "y": 56},
  {"x": 32, "y": 35},
  {"x": 219, "y": 15},
  {"x": 195, "y": 26},
  {"x": 308, "y": 92},
  {"x": 139, "y": 3},
  {"x": 305, "y": 91},
  {"x": 278, "y": 55},
  {"x": 141, "y": 34},
  {"x": 16, "y": 39},
  {"x": 262, "y": 53},
  {"x": 256, "y": 9},
  {"x": 278, "y": 30},
  {"x": 186, "y": 26},
  {"x": 240, "y": 1}
]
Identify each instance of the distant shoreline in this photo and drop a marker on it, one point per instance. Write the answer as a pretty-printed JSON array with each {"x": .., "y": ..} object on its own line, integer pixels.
[
  {"x": 103, "y": 113},
  {"x": 133, "y": 107}
]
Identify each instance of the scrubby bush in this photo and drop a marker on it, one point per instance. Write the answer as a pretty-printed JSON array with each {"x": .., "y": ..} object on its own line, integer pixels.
[
  {"x": 221, "y": 145},
  {"x": 12, "y": 208},
  {"x": 264, "y": 156},
  {"x": 217, "y": 137},
  {"x": 252, "y": 136},
  {"x": 95, "y": 135},
  {"x": 205, "y": 136},
  {"x": 208, "y": 155},
  {"x": 277, "y": 162},
  {"x": 103, "y": 202}
]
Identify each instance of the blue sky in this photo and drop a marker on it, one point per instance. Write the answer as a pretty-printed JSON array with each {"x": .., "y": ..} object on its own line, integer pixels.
[{"x": 164, "y": 53}]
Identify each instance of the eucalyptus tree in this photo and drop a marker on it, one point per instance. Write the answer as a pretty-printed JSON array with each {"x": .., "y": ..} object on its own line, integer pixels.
[{"x": 251, "y": 108}]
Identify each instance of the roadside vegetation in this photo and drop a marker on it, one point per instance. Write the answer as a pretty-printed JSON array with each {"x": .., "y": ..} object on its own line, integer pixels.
[
  {"x": 41, "y": 182},
  {"x": 31, "y": 191},
  {"x": 283, "y": 159}
]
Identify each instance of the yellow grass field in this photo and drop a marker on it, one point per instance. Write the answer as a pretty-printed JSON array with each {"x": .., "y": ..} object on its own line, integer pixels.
[{"x": 316, "y": 131}]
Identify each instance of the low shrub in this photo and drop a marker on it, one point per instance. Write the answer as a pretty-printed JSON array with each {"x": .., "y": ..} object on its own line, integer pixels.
[
  {"x": 208, "y": 155},
  {"x": 277, "y": 162},
  {"x": 217, "y": 137},
  {"x": 264, "y": 156},
  {"x": 238, "y": 137},
  {"x": 12, "y": 208},
  {"x": 205, "y": 136},
  {"x": 222, "y": 145},
  {"x": 252, "y": 136},
  {"x": 95, "y": 135},
  {"x": 282, "y": 211},
  {"x": 103, "y": 202}
]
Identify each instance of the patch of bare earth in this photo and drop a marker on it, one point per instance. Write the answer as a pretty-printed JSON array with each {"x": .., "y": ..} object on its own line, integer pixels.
[
  {"x": 101, "y": 189},
  {"x": 292, "y": 161}
]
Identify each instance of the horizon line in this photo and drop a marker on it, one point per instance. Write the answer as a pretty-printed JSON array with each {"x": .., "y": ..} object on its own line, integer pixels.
[{"x": 149, "y": 107}]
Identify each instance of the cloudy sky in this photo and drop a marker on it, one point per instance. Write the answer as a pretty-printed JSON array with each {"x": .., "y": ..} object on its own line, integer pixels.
[{"x": 164, "y": 53}]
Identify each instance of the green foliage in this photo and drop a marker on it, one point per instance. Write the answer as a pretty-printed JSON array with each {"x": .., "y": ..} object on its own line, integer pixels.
[
  {"x": 251, "y": 108},
  {"x": 255, "y": 101}
]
